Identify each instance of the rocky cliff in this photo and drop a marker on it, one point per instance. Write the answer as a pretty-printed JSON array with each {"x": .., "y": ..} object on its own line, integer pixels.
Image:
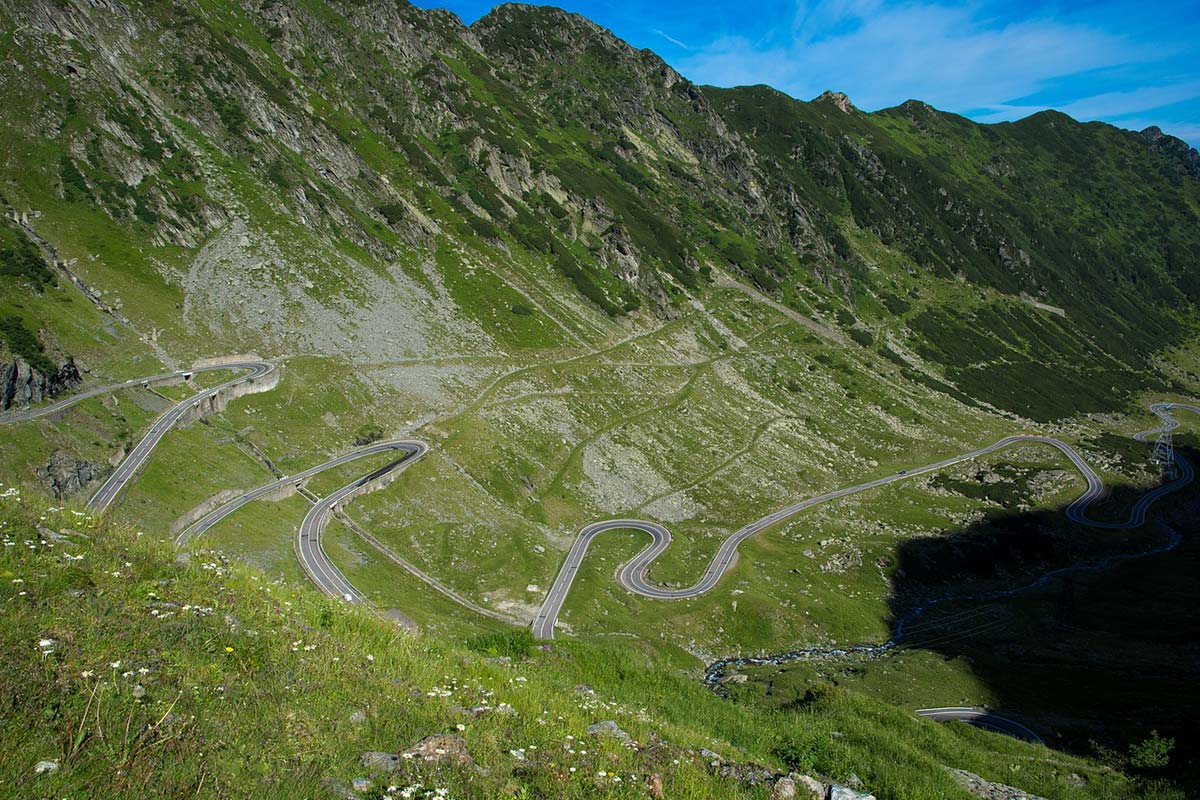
[
  {"x": 21, "y": 384},
  {"x": 286, "y": 177}
]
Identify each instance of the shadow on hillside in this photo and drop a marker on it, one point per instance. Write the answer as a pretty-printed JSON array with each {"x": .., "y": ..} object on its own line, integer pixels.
[{"x": 1105, "y": 654}]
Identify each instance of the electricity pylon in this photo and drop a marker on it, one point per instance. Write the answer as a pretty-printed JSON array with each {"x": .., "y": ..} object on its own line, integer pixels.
[{"x": 1164, "y": 451}]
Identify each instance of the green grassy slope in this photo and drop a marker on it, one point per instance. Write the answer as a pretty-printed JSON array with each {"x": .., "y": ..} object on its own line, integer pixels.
[{"x": 154, "y": 673}]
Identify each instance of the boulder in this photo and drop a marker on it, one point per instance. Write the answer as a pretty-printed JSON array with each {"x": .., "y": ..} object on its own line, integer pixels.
[
  {"x": 21, "y": 384},
  {"x": 839, "y": 792},
  {"x": 65, "y": 475},
  {"x": 753, "y": 774},
  {"x": 808, "y": 788},
  {"x": 784, "y": 789}
]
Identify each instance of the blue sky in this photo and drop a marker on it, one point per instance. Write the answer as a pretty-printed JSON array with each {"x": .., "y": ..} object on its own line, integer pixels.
[{"x": 1133, "y": 64}]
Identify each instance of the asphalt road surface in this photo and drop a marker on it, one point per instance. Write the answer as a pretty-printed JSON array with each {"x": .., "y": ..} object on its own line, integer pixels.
[
  {"x": 981, "y": 718},
  {"x": 320, "y": 570},
  {"x": 127, "y": 469},
  {"x": 633, "y": 574}
]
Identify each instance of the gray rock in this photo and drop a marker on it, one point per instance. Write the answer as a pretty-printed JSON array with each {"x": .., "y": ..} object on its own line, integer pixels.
[
  {"x": 403, "y": 620},
  {"x": 1183, "y": 157},
  {"x": 43, "y": 767},
  {"x": 784, "y": 789},
  {"x": 753, "y": 774},
  {"x": 609, "y": 728},
  {"x": 808, "y": 788},
  {"x": 379, "y": 761},
  {"x": 360, "y": 785},
  {"x": 21, "y": 384},
  {"x": 709, "y": 755},
  {"x": 839, "y": 792},
  {"x": 440, "y": 749},
  {"x": 65, "y": 475},
  {"x": 987, "y": 789}
]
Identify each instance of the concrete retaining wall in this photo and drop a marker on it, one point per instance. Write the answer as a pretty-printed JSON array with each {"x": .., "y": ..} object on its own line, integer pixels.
[
  {"x": 216, "y": 361},
  {"x": 214, "y": 404},
  {"x": 216, "y": 501}
]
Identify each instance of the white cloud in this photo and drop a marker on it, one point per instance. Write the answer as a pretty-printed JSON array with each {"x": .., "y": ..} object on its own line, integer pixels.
[
  {"x": 671, "y": 39},
  {"x": 1106, "y": 105},
  {"x": 955, "y": 58}
]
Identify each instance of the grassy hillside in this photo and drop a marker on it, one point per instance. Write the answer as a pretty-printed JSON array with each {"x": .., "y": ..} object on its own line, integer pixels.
[{"x": 173, "y": 674}]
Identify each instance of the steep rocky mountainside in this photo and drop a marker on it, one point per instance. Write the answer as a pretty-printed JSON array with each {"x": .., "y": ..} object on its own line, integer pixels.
[{"x": 288, "y": 176}]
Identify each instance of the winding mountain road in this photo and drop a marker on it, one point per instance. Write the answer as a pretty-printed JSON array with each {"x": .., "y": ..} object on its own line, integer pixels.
[
  {"x": 981, "y": 718},
  {"x": 633, "y": 574},
  {"x": 316, "y": 564},
  {"x": 320, "y": 570},
  {"x": 133, "y": 461}
]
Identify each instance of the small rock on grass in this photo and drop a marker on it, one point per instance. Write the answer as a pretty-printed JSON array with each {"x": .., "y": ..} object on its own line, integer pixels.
[
  {"x": 440, "y": 749},
  {"x": 609, "y": 727},
  {"x": 377, "y": 761},
  {"x": 43, "y": 767},
  {"x": 338, "y": 789},
  {"x": 808, "y": 788},
  {"x": 784, "y": 789},
  {"x": 839, "y": 792},
  {"x": 361, "y": 785}
]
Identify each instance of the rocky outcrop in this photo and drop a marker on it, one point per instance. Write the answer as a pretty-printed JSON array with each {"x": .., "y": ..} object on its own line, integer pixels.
[
  {"x": 65, "y": 475},
  {"x": 1183, "y": 157},
  {"x": 839, "y": 99},
  {"x": 21, "y": 384},
  {"x": 987, "y": 789}
]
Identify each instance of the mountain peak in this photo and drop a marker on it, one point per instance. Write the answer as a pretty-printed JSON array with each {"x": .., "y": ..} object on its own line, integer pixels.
[
  {"x": 1183, "y": 156},
  {"x": 839, "y": 99}
]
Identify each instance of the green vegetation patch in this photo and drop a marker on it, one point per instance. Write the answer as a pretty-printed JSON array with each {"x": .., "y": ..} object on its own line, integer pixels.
[
  {"x": 20, "y": 258},
  {"x": 25, "y": 344}
]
